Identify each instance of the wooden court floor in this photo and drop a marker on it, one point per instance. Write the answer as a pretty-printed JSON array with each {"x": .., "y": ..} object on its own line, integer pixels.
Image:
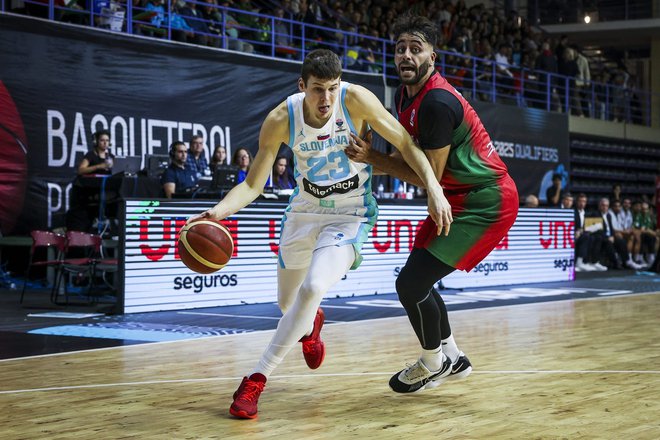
[{"x": 585, "y": 369}]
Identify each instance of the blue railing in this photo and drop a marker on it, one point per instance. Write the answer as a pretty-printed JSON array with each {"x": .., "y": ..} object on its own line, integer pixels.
[{"x": 246, "y": 31}]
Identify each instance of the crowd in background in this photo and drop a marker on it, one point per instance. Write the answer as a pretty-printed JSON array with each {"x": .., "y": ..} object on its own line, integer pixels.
[
  {"x": 614, "y": 232},
  {"x": 473, "y": 39}
]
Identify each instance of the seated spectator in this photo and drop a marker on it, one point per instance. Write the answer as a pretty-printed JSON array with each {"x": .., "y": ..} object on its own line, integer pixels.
[
  {"x": 178, "y": 177},
  {"x": 531, "y": 201},
  {"x": 219, "y": 157},
  {"x": 586, "y": 244},
  {"x": 281, "y": 177},
  {"x": 623, "y": 231},
  {"x": 644, "y": 224},
  {"x": 242, "y": 159},
  {"x": 554, "y": 193},
  {"x": 567, "y": 201},
  {"x": 231, "y": 26},
  {"x": 85, "y": 198},
  {"x": 196, "y": 159},
  {"x": 198, "y": 24},
  {"x": 612, "y": 247},
  {"x": 99, "y": 159}
]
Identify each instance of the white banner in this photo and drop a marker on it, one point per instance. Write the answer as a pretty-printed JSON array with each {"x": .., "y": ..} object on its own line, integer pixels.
[{"x": 539, "y": 248}]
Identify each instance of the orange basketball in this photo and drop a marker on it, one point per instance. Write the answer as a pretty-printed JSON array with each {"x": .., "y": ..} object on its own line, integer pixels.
[{"x": 205, "y": 245}]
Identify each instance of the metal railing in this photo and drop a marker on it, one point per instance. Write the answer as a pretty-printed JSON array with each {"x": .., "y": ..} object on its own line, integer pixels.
[{"x": 279, "y": 37}]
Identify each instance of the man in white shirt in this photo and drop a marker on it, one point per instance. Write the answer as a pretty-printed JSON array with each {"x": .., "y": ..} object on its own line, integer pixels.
[
  {"x": 623, "y": 230},
  {"x": 613, "y": 246}
]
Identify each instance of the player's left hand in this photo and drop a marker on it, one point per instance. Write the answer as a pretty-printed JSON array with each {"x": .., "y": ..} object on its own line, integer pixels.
[{"x": 440, "y": 211}]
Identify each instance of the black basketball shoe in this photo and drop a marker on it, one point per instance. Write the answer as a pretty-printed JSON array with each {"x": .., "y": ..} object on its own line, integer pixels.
[
  {"x": 416, "y": 377},
  {"x": 459, "y": 370}
]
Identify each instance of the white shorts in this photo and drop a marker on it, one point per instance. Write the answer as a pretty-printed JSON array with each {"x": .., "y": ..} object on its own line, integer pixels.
[{"x": 306, "y": 227}]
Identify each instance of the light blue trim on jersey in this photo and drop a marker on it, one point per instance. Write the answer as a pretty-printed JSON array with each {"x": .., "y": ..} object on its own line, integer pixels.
[
  {"x": 347, "y": 115},
  {"x": 292, "y": 122},
  {"x": 280, "y": 261}
]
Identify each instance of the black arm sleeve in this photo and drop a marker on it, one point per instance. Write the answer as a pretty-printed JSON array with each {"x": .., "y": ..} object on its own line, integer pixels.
[{"x": 439, "y": 115}]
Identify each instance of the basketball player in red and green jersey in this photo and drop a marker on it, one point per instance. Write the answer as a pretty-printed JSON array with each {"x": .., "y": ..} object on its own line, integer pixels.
[{"x": 482, "y": 195}]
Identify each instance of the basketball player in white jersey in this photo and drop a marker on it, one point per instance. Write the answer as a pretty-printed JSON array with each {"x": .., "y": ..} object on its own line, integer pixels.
[{"x": 331, "y": 211}]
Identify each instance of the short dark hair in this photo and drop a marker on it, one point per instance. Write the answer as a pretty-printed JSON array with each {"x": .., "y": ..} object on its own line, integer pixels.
[
  {"x": 321, "y": 63},
  {"x": 97, "y": 135},
  {"x": 410, "y": 23}
]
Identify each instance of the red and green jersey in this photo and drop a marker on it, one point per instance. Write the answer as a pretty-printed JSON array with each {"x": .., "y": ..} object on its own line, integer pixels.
[
  {"x": 482, "y": 195},
  {"x": 473, "y": 161}
]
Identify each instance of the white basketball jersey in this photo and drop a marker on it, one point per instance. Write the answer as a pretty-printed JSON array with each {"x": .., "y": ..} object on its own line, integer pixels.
[{"x": 321, "y": 168}]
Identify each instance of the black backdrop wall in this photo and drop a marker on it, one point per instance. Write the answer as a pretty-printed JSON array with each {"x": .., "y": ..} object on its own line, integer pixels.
[{"x": 60, "y": 83}]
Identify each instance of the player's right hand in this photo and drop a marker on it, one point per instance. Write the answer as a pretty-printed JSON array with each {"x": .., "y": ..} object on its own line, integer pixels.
[{"x": 210, "y": 214}]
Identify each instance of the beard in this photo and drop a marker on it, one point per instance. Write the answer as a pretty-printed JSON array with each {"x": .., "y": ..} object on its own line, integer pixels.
[{"x": 419, "y": 73}]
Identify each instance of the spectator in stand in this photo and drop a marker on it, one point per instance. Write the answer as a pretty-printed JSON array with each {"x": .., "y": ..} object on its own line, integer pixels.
[
  {"x": 196, "y": 159},
  {"x": 546, "y": 62},
  {"x": 619, "y": 108},
  {"x": 485, "y": 71},
  {"x": 178, "y": 177},
  {"x": 194, "y": 18},
  {"x": 306, "y": 16},
  {"x": 242, "y": 159},
  {"x": 531, "y": 201},
  {"x": 219, "y": 157},
  {"x": 281, "y": 177},
  {"x": 554, "y": 193},
  {"x": 99, "y": 159},
  {"x": 283, "y": 38},
  {"x": 85, "y": 199},
  {"x": 616, "y": 192},
  {"x": 612, "y": 245},
  {"x": 231, "y": 35},
  {"x": 157, "y": 20},
  {"x": 504, "y": 74},
  {"x": 644, "y": 223},
  {"x": 582, "y": 83},
  {"x": 585, "y": 242},
  {"x": 623, "y": 231},
  {"x": 567, "y": 201},
  {"x": 569, "y": 69}
]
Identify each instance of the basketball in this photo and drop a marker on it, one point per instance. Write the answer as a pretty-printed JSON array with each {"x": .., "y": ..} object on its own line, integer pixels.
[{"x": 205, "y": 245}]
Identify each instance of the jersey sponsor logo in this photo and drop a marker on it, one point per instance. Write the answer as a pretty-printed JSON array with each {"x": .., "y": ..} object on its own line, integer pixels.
[
  {"x": 322, "y": 144},
  {"x": 342, "y": 187}
]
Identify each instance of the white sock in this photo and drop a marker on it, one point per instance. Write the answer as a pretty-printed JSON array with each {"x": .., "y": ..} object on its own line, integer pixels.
[
  {"x": 450, "y": 348},
  {"x": 269, "y": 360},
  {"x": 433, "y": 358}
]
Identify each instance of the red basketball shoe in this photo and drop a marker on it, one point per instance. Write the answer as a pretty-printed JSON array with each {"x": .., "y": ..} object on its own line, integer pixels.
[
  {"x": 312, "y": 346},
  {"x": 246, "y": 397}
]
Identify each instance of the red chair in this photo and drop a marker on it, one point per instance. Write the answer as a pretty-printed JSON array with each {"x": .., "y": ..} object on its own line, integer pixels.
[
  {"x": 47, "y": 240},
  {"x": 82, "y": 259}
]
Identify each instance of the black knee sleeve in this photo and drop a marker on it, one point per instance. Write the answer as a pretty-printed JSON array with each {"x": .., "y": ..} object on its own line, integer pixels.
[{"x": 426, "y": 310}]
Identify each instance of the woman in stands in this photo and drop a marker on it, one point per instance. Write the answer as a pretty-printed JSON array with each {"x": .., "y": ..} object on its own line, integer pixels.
[
  {"x": 99, "y": 159},
  {"x": 242, "y": 159},
  {"x": 281, "y": 177}
]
